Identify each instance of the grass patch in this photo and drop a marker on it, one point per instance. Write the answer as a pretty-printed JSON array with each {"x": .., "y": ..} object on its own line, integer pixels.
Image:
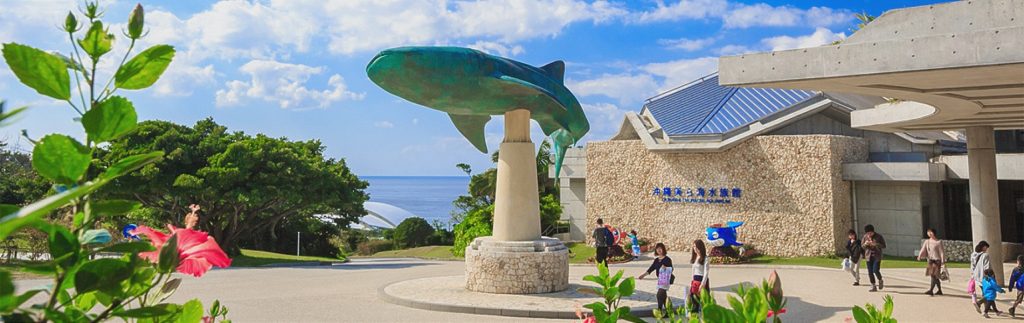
[
  {"x": 17, "y": 272},
  {"x": 580, "y": 252},
  {"x": 257, "y": 258},
  {"x": 428, "y": 252},
  {"x": 834, "y": 262}
]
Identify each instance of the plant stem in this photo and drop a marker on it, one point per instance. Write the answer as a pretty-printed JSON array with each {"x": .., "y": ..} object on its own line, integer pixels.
[
  {"x": 80, "y": 69},
  {"x": 53, "y": 295},
  {"x": 111, "y": 80}
]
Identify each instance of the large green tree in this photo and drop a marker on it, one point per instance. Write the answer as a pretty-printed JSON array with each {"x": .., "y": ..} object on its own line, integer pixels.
[
  {"x": 248, "y": 186},
  {"x": 19, "y": 183}
]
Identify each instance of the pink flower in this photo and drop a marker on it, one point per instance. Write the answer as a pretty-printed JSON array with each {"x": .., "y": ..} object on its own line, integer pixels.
[
  {"x": 782, "y": 311},
  {"x": 197, "y": 251}
]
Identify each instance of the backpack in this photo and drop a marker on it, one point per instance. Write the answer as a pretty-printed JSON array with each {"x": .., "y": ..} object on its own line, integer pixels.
[
  {"x": 609, "y": 239},
  {"x": 1019, "y": 283}
]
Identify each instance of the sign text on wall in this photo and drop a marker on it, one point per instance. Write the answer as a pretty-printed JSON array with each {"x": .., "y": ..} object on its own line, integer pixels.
[{"x": 709, "y": 195}]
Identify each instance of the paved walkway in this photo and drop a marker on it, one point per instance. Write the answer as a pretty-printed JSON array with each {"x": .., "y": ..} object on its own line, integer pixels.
[{"x": 349, "y": 292}]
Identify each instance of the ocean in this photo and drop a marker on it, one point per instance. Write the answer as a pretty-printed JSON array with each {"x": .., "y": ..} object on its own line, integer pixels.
[{"x": 429, "y": 197}]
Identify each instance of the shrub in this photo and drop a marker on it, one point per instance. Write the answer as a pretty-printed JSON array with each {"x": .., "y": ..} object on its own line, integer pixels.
[
  {"x": 413, "y": 232},
  {"x": 478, "y": 223},
  {"x": 374, "y": 246}
]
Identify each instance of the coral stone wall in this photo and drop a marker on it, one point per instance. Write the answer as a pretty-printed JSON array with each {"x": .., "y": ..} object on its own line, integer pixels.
[{"x": 794, "y": 201}]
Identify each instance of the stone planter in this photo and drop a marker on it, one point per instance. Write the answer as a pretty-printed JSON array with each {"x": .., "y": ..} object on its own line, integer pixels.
[{"x": 517, "y": 267}]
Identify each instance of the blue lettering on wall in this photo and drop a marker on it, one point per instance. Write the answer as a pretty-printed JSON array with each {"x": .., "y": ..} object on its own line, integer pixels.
[{"x": 699, "y": 194}]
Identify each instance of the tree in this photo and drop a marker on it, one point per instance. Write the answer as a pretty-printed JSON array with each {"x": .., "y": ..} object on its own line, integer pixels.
[
  {"x": 19, "y": 183},
  {"x": 248, "y": 185},
  {"x": 465, "y": 168},
  {"x": 413, "y": 232}
]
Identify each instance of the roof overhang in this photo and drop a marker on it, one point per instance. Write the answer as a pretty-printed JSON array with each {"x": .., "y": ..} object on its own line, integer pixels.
[{"x": 952, "y": 65}]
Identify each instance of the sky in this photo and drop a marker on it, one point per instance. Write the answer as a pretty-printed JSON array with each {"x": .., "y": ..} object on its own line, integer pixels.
[{"x": 296, "y": 68}]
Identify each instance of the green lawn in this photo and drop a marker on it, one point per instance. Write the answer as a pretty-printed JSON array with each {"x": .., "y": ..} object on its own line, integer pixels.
[
  {"x": 832, "y": 262},
  {"x": 428, "y": 252},
  {"x": 580, "y": 252},
  {"x": 256, "y": 258}
]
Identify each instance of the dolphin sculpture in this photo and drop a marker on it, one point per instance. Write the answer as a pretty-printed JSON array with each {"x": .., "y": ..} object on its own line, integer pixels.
[{"x": 471, "y": 86}]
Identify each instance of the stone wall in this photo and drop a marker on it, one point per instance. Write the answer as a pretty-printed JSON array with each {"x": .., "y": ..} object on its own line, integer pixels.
[
  {"x": 793, "y": 200},
  {"x": 517, "y": 267}
]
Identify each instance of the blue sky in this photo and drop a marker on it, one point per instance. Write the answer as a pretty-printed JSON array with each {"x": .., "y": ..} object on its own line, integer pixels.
[{"x": 295, "y": 68}]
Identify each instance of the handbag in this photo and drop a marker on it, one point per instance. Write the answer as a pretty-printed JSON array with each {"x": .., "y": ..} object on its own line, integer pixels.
[
  {"x": 847, "y": 265},
  {"x": 944, "y": 274}
]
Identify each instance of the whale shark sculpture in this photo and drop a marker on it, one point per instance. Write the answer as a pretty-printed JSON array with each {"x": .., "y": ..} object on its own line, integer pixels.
[{"x": 471, "y": 86}]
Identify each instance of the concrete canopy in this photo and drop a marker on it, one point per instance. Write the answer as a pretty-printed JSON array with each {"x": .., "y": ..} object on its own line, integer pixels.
[{"x": 952, "y": 65}]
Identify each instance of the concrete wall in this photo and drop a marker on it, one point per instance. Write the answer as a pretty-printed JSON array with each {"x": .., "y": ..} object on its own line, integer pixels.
[
  {"x": 794, "y": 201},
  {"x": 574, "y": 208},
  {"x": 895, "y": 209},
  {"x": 831, "y": 123}
]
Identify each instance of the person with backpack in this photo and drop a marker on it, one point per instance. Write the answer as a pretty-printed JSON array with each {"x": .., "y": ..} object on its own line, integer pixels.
[
  {"x": 1017, "y": 281},
  {"x": 663, "y": 266},
  {"x": 602, "y": 240}
]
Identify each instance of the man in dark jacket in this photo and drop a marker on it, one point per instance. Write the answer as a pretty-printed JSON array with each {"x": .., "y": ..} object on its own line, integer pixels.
[
  {"x": 873, "y": 244},
  {"x": 854, "y": 253},
  {"x": 600, "y": 236}
]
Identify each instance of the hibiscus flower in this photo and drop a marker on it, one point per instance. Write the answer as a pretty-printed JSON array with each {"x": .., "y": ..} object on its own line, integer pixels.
[{"x": 197, "y": 251}]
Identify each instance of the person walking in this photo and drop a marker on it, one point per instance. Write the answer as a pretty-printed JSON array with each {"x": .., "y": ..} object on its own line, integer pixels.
[
  {"x": 989, "y": 289},
  {"x": 635, "y": 242},
  {"x": 1017, "y": 281},
  {"x": 854, "y": 252},
  {"x": 663, "y": 265},
  {"x": 932, "y": 251},
  {"x": 699, "y": 261},
  {"x": 873, "y": 244},
  {"x": 979, "y": 264},
  {"x": 601, "y": 242}
]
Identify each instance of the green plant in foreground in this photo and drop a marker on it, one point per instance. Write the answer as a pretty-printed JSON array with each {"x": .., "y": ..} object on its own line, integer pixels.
[
  {"x": 85, "y": 287},
  {"x": 612, "y": 289},
  {"x": 751, "y": 304},
  {"x": 870, "y": 314}
]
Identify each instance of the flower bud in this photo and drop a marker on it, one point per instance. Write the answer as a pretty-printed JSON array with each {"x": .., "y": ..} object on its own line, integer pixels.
[
  {"x": 71, "y": 23},
  {"x": 136, "y": 22},
  {"x": 775, "y": 283},
  {"x": 92, "y": 10}
]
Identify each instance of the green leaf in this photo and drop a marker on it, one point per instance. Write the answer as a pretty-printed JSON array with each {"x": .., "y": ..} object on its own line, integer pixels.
[
  {"x": 131, "y": 163},
  {"x": 97, "y": 41},
  {"x": 615, "y": 279},
  {"x": 627, "y": 287},
  {"x": 6, "y": 117},
  {"x": 110, "y": 119},
  {"x": 192, "y": 311},
  {"x": 168, "y": 289},
  {"x": 628, "y": 316},
  {"x": 145, "y": 68},
  {"x": 597, "y": 307},
  {"x": 63, "y": 245},
  {"x": 6, "y": 284},
  {"x": 860, "y": 315},
  {"x": 114, "y": 207},
  {"x": 44, "y": 72},
  {"x": 169, "y": 255},
  {"x": 95, "y": 236},
  {"x": 27, "y": 215},
  {"x": 6, "y": 209},
  {"x": 86, "y": 301},
  {"x": 101, "y": 274},
  {"x": 129, "y": 247},
  {"x": 594, "y": 279},
  {"x": 61, "y": 158},
  {"x": 888, "y": 307},
  {"x": 149, "y": 311}
]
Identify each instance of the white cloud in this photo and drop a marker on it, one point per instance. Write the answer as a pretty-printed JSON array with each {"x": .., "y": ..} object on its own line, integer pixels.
[
  {"x": 625, "y": 88},
  {"x": 384, "y": 124},
  {"x": 684, "y": 9},
  {"x": 415, "y": 121},
  {"x": 605, "y": 119},
  {"x": 735, "y": 50},
  {"x": 739, "y": 15},
  {"x": 682, "y": 71},
  {"x": 687, "y": 44},
  {"x": 821, "y": 36},
  {"x": 285, "y": 85},
  {"x": 745, "y": 16},
  {"x": 496, "y": 48}
]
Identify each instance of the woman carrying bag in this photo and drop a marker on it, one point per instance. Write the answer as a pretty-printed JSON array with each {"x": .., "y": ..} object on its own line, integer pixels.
[{"x": 932, "y": 251}]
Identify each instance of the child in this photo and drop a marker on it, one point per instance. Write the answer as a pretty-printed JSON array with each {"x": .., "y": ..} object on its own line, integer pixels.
[
  {"x": 855, "y": 252},
  {"x": 636, "y": 244},
  {"x": 1017, "y": 281},
  {"x": 989, "y": 288}
]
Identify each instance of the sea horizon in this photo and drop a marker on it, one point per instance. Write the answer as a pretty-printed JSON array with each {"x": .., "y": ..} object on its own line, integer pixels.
[{"x": 428, "y": 197}]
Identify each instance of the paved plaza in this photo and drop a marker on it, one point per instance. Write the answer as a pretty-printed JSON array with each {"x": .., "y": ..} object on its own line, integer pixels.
[{"x": 351, "y": 292}]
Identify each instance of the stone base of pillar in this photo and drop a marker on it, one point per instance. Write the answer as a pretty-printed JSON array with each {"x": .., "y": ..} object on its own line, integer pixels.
[{"x": 517, "y": 267}]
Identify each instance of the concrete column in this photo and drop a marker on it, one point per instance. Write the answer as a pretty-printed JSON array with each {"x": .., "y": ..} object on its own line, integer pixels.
[
  {"x": 981, "y": 164},
  {"x": 516, "y": 201}
]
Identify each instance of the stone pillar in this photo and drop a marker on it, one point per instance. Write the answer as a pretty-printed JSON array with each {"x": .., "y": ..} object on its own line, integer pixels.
[
  {"x": 981, "y": 163},
  {"x": 516, "y": 202}
]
